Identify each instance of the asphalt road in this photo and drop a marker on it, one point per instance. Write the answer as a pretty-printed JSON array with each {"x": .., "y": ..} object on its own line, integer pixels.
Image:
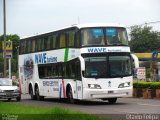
[{"x": 123, "y": 106}]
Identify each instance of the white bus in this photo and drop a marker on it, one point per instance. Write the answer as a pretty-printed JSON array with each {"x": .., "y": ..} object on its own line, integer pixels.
[{"x": 81, "y": 62}]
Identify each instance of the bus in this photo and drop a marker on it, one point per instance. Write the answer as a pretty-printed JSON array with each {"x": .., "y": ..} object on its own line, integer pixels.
[{"x": 81, "y": 62}]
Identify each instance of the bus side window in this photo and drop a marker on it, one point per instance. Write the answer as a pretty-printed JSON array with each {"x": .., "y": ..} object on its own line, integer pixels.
[
  {"x": 40, "y": 44},
  {"x": 78, "y": 70},
  {"x": 62, "y": 40},
  {"x": 60, "y": 70},
  {"x": 71, "y": 37},
  {"x": 36, "y": 47},
  {"x": 54, "y": 39},
  {"x": 77, "y": 40},
  {"x": 48, "y": 42},
  {"x": 29, "y": 46},
  {"x": 33, "y": 45},
  {"x": 22, "y": 47},
  {"x": 25, "y": 47},
  {"x": 73, "y": 70},
  {"x": 43, "y": 44}
]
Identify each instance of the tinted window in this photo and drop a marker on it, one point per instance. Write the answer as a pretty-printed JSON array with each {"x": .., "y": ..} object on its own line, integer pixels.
[
  {"x": 33, "y": 45},
  {"x": 92, "y": 36},
  {"x": 71, "y": 37},
  {"x": 62, "y": 40},
  {"x": 48, "y": 71},
  {"x": 116, "y": 36},
  {"x": 96, "y": 66},
  {"x": 120, "y": 66}
]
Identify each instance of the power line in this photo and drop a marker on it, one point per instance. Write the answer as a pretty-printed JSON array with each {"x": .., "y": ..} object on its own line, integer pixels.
[{"x": 146, "y": 23}]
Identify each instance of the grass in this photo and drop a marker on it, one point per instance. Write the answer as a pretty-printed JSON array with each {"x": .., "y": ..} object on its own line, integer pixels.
[{"x": 28, "y": 112}]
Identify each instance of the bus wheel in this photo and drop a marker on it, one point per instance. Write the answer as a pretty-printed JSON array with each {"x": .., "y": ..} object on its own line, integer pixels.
[
  {"x": 31, "y": 94},
  {"x": 70, "y": 95},
  {"x": 9, "y": 99},
  {"x": 38, "y": 97},
  {"x": 18, "y": 98},
  {"x": 112, "y": 100}
]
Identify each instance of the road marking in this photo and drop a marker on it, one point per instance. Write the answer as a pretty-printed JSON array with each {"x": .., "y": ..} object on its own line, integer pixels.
[{"x": 148, "y": 105}]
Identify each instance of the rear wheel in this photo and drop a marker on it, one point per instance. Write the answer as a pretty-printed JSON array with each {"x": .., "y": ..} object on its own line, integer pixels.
[
  {"x": 38, "y": 97},
  {"x": 31, "y": 94},
  {"x": 112, "y": 100}
]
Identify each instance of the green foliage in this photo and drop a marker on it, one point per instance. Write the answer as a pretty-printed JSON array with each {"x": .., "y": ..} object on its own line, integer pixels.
[
  {"x": 148, "y": 70},
  {"x": 28, "y": 112},
  {"x": 155, "y": 85},
  {"x": 135, "y": 85},
  {"x": 151, "y": 85},
  {"x": 15, "y": 39},
  {"x": 143, "y": 39},
  {"x": 143, "y": 85}
]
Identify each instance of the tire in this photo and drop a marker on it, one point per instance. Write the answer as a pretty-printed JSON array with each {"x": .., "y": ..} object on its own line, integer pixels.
[
  {"x": 33, "y": 97},
  {"x": 9, "y": 99},
  {"x": 38, "y": 97},
  {"x": 112, "y": 100},
  {"x": 70, "y": 96},
  {"x": 18, "y": 98}
]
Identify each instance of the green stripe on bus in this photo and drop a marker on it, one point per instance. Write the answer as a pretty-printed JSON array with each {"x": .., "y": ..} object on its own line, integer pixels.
[{"x": 66, "y": 55}]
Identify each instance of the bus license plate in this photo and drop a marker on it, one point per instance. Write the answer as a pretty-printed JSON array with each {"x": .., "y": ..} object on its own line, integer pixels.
[{"x": 110, "y": 92}]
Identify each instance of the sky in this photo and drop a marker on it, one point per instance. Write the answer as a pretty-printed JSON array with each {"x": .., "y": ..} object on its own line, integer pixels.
[{"x": 31, "y": 17}]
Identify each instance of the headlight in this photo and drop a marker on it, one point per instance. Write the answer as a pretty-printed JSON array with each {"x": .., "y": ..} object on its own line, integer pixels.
[
  {"x": 94, "y": 86},
  {"x": 127, "y": 84},
  {"x": 122, "y": 85},
  {"x": 1, "y": 90}
]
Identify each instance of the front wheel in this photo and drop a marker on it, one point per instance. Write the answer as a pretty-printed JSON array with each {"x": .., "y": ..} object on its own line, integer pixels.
[
  {"x": 70, "y": 96},
  {"x": 112, "y": 100}
]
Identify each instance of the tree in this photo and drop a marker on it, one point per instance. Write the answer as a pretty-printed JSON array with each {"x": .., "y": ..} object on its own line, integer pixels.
[
  {"x": 143, "y": 39},
  {"x": 15, "y": 39}
]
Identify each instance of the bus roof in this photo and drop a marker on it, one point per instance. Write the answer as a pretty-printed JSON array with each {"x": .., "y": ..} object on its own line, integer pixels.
[
  {"x": 98, "y": 25},
  {"x": 79, "y": 26}
]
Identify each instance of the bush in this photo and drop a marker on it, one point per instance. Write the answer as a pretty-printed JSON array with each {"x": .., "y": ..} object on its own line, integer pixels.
[
  {"x": 135, "y": 85},
  {"x": 152, "y": 85},
  {"x": 155, "y": 85},
  {"x": 144, "y": 85}
]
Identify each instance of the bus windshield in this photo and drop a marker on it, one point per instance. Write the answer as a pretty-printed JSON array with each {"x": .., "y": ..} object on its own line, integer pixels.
[
  {"x": 96, "y": 66},
  {"x": 104, "y": 36},
  {"x": 120, "y": 66},
  {"x": 107, "y": 66}
]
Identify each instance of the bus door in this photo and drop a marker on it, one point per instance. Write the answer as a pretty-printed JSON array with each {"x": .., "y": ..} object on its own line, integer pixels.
[{"x": 79, "y": 85}]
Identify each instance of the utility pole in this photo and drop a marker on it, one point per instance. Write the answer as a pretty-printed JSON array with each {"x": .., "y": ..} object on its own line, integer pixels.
[{"x": 4, "y": 52}]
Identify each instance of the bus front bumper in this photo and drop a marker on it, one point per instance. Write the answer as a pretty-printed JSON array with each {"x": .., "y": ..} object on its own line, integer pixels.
[{"x": 106, "y": 93}]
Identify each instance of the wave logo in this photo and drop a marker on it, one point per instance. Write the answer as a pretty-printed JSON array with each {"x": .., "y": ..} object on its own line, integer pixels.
[{"x": 97, "y": 50}]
